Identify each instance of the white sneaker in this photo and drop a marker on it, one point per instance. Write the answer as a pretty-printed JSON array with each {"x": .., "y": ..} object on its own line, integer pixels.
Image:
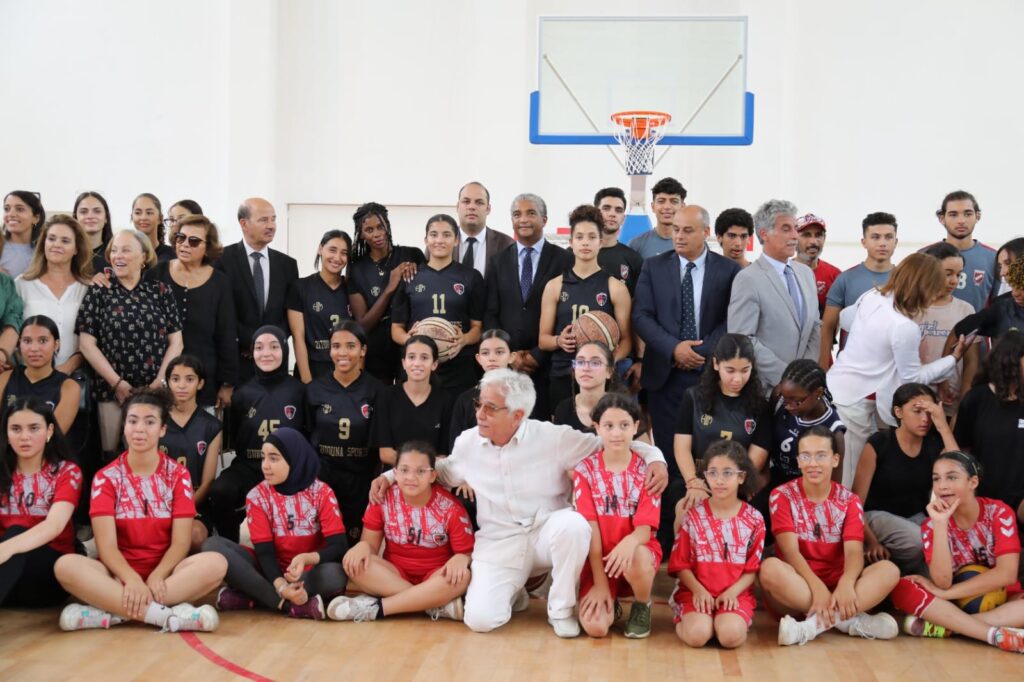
[
  {"x": 793, "y": 631},
  {"x": 566, "y": 628},
  {"x": 521, "y": 602},
  {"x": 358, "y": 609},
  {"x": 188, "y": 618},
  {"x": 453, "y": 610},
  {"x": 84, "y": 617},
  {"x": 873, "y": 626}
]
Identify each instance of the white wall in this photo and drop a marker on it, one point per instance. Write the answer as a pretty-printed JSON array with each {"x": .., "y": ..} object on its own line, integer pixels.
[{"x": 871, "y": 106}]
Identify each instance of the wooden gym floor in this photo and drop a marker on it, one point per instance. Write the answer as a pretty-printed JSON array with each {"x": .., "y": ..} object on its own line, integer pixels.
[{"x": 258, "y": 645}]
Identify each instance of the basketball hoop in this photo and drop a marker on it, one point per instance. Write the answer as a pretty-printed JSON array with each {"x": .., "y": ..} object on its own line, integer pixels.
[{"x": 639, "y": 132}]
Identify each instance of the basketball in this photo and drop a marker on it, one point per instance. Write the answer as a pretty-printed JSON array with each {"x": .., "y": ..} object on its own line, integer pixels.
[
  {"x": 982, "y": 602},
  {"x": 596, "y": 326},
  {"x": 442, "y": 331}
]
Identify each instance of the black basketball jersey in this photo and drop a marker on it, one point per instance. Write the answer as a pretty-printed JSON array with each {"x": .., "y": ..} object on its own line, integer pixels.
[
  {"x": 400, "y": 420},
  {"x": 454, "y": 293},
  {"x": 339, "y": 420},
  {"x": 369, "y": 278},
  {"x": 621, "y": 262},
  {"x": 258, "y": 409},
  {"x": 578, "y": 296},
  {"x": 187, "y": 444},
  {"x": 322, "y": 308},
  {"x": 728, "y": 421},
  {"x": 47, "y": 390}
]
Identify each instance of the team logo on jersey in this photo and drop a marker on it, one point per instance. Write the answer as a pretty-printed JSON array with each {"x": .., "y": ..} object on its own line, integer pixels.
[
  {"x": 251, "y": 413},
  {"x": 706, "y": 419},
  {"x": 564, "y": 296},
  {"x": 201, "y": 447},
  {"x": 459, "y": 289},
  {"x": 979, "y": 277},
  {"x": 365, "y": 409},
  {"x": 749, "y": 425},
  {"x": 623, "y": 272},
  {"x": 420, "y": 288},
  {"x": 53, "y": 405},
  {"x": 318, "y": 306},
  {"x": 602, "y": 298},
  {"x": 725, "y": 435},
  {"x": 162, "y": 449},
  {"x": 289, "y": 412},
  {"x": 326, "y": 408},
  {"x": 375, "y": 291}
]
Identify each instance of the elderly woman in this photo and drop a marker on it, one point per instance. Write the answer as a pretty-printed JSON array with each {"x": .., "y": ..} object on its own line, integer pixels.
[
  {"x": 57, "y": 280},
  {"x": 207, "y": 309},
  {"x": 129, "y": 331}
]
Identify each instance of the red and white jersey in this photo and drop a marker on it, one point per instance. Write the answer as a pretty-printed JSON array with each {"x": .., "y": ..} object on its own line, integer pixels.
[
  {"x": 821, "y": 527},
  {"x": 421, "y": 539},
  {"x": 143, "y": 507},
  {"x": 30, "y": 498},
  {"x": 617, "y": 502},
  {"x": 991, "y": 536},
  {"x": 718, "y": 551},
  {"x": 294, "y": 523}
]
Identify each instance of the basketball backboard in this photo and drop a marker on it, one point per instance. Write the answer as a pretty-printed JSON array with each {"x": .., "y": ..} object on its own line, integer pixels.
[{"x": 693, "y": 68}]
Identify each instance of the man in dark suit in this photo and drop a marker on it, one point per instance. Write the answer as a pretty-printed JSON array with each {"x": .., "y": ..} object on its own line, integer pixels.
[
  {"x": 477, "y": 242},
  {"x": 680, "y": 309},
  {"x": 256, "y": 306},
  {"x": 515, "y": 283}
]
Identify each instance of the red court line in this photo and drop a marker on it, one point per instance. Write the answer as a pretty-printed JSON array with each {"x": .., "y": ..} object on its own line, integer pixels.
[{"x": 193, "y": 641}]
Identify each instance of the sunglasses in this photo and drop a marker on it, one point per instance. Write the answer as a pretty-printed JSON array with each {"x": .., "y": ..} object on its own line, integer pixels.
[{"x": 192, "y": 240}]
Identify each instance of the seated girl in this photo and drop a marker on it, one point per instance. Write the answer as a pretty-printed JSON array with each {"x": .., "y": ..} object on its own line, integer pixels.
[
  {"x": 963, "y": 529},
  {"x": 39, "y": 489},
  {"x": 608, "y": 487},
  {"x": 717, "y": 553},
  {"x": 425, "y": 566},
  {"x": 819, "y": 534},
  {"x": 142, "y": 514},
  {"x": 297, "y": 534}
]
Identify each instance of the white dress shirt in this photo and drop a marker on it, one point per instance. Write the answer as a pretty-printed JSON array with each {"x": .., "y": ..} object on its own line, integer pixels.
[
  {"x": 518, "y": 485},
  {"x": 39, "y": 300},
  {"x": 881, "y": 354},
  {"x": 264, "y": 263},
  {"x": 479, "y": 250},
  {"x": 535, "y": 256}
]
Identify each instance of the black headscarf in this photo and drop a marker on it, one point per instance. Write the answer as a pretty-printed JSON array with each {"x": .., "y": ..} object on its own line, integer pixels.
[
  {"x": 303, "y": 462},
  {"x": 276, "y": 375}
]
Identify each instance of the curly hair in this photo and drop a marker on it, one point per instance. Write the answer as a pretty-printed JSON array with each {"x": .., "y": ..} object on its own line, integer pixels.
[
  {"x": 737, "y": 454},
  {"x": 731, "y": 347},
  {"x": 1002, "y": 367}
]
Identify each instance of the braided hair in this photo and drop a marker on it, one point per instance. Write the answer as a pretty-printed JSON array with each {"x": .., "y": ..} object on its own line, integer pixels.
[
  {"x": 808, "y": 375},
  {"x": 369, "y": 210}
]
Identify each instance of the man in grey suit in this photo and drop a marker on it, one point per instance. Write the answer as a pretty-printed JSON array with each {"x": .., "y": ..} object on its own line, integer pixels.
[{"x": 775, "y": 300}]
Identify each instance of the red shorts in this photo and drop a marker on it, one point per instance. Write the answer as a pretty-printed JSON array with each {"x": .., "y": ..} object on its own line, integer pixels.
[
  {"x": 681, "y": 602},
  {"x": 909, "y": 597},
  {"x": 619, "y": 587},
  {"x": 415, "y": 577}
]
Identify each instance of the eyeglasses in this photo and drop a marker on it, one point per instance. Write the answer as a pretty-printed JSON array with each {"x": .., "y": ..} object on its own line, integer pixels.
[
  {"x": 488, "y": 409},
  {"x": 787, "y": 402},
  {"x": 170, "y": 222},
  {"x": 593, "y": 363},
  {"x": 817, "y": 458},
  {"x": 723, "y": 475},
  {"x": 418, "y": 473},
  {"x": 192, "y": 240}
]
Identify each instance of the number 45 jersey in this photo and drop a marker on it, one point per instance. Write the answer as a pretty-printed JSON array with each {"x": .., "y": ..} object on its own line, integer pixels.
[{"x": 258, "y": 408}]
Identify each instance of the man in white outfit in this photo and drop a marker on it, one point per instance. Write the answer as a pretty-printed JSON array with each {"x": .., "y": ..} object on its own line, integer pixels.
[{"x": 517, "y": 469}]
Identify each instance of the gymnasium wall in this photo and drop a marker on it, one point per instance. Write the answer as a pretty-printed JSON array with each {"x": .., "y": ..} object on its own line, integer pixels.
[{"x": 860, "y": 107}]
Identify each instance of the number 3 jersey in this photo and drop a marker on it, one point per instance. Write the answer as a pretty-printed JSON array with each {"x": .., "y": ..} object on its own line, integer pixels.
[
  {"x": 144, "y": 508},
  {"x": 420, "y": 540},
  {"x": 31, "y": 496},
  {"x": 294, "y": 523},
  {"x": 717, "y": 551}
]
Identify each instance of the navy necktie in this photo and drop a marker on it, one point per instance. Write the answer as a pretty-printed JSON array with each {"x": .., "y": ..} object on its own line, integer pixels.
[
  {"x": 257, "y": 279},
  {"x": 688, "y": 316},
  {"x": 467, "y": 259},
  {"x": 526, "y": 274}
]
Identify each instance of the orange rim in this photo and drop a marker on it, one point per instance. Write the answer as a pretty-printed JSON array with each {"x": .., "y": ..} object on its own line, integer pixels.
[{"x": 640, "y": 123}]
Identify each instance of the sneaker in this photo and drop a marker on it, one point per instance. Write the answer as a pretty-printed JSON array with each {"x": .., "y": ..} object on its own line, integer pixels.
[
  {"x": 358, "y": 609},
  {"x": 873, "y": 626},
  {"x": 521, "y": 602},
  {"x": 566, "y": 628},
  {"x": 639, "y": 624},
  {"x": 919, "y": 627},
  {"x": 229, "y": 599},
  {"x": 83, "y": 617},
  {"x": 1010, "y": 639},
  {"x": 793, "y": 631},
  {"x": 188, "y": 618},
  {"x": 313, "y": 609},
  {"x": 453, "y": 610}
]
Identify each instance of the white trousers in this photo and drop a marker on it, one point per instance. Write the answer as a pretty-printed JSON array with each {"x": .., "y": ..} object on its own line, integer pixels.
[
  {"x": 560, "y": 545},
  {"x": 861, "y": 422}
]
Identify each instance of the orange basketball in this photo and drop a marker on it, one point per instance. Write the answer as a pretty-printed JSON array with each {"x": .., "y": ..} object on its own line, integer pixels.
[
  {"x": 596, "y": 326},
  {"x": 442, "y": 332}
]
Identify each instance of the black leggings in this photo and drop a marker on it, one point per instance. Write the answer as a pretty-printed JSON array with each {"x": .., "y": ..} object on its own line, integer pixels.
[
  {"x": 27, "y": 579},
  {"x": 328, "y": 580},
  {"x": 226, "y": 499}
]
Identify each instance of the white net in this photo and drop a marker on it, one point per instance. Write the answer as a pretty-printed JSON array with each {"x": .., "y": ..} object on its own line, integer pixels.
[{"x": 639, "y": 132}]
